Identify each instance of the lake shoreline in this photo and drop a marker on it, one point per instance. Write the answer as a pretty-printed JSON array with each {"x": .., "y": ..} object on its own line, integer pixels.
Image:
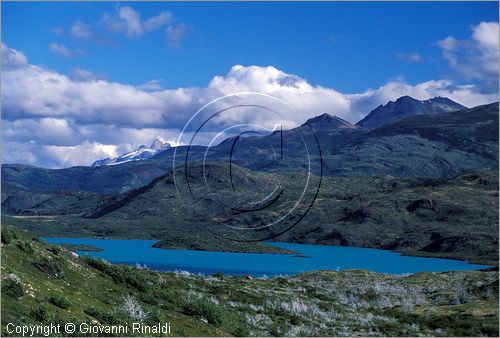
[
  {"x": 303, "y": 258},
  {"x": 269, "y": 249}
]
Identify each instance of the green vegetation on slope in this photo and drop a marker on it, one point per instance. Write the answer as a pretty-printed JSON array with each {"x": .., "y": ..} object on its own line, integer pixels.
[
  {"x": 455, "y": 218},
  {"x": 44, "y": 283}
]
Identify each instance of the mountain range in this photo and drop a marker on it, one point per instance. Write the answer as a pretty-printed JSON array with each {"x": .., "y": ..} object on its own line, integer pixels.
[{"x": 402, "y": 108}]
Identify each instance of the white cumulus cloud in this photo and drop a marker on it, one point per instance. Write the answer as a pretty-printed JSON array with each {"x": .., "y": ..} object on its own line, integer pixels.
[
  {"x": 476, "y": 57},
  {"x": 12, "y": 58}
]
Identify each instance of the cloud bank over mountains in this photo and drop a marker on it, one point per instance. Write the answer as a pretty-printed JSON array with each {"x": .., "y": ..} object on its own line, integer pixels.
[{"x": 56, "y": 120}]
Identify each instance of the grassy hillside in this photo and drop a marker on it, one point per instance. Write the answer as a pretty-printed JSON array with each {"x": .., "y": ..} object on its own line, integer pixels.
[{"x": 43, "y": 283}]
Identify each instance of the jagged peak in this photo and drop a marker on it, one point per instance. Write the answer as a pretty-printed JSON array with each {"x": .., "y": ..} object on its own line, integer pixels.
[
  {"x": 159, "y": 143},
  {"x": 401, "y": 99},
  {"x": 328, "y": 120}
]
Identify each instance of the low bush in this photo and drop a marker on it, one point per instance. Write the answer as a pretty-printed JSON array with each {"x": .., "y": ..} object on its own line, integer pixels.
[
  {"x": 278, "y": 329},
  {"x": 242, "y": 296},
  {"x": 39, "y": 312},
  {"x": 119, "y": 273},
  {"x": 59, "y": 301},
  {"x": 153, "y": 318},
  {"x": 199, "y": 307},
  {"x": 235, "y": 325},
  {"x": 7, "y": 235},
  {"x": 108, "y": 317},
  {"x": 12, "y": 288},
  {"x": 133, "y": 277},
  {"x": 295, "y": 320},
  {"x": 55, "y": 249},
  {"x": 151, "y": 295},
  {"x": 369, "y": 296},
  {"x": 218, "y": 274},
  {"x": 282, "y": 280},
  {"x": 98, "y": 264},
  {"x": 172, "y": 297},
  {"x": 25, "y": 246}
]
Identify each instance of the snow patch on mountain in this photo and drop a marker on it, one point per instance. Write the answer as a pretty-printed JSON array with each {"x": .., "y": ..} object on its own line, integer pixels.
[{"x": 141, "y": 153}]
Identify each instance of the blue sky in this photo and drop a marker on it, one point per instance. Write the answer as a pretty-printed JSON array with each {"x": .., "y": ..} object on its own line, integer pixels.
[
  {"x": 347, "y": 46},
  {"x": 90, "y": 80}
]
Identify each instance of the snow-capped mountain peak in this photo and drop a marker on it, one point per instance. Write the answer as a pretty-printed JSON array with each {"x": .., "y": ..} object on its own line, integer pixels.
[
  {"x": 159, "y": 143},
  {"x": 141, "y": 153}
]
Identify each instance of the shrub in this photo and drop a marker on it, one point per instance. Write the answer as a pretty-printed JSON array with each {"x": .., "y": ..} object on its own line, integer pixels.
[
  {"x": 205, "y": 309},
  {"x": 60, "y": 301},
  {"x": 39, "y": 312},
  {"x": 108, "y": 317},
  {"x": 241, "y": 330},
  {"x": 98, "y": 264},
  {"x": 55, "y": 249},
  {"x": 369, "y": 295},
  {"x": 105, "y": 267},
  {"x": 172, "y": 296},
  {"x": 282, "y": 280},
  {"x": 234, "y": 324},
  {"x": 119, "y": 273},
  {"x": 295, "y": 320},
  {"x": 12, "y": 288},
  {"x": 325, "y": 306},
  {"x": 7, "y": 235},
  {"x": 277, "y": 329},
  {"x": 92, "y": 311},
  {"x": 242, "y": 296},
  {"x": 151, "y": 295},
  {"x": 154, "y": 318},
  {"x": 25, "y": 246},
  {"x": 217, "y": 289},
  {"x": 133, "y": 277}
]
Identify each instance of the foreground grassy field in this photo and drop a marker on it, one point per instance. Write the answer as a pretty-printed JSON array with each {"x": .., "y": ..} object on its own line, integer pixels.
[{"x": 43, "y": 283}]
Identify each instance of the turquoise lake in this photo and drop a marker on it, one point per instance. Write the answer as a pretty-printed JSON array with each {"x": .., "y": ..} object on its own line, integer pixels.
[{"x": 318, "y": 257}]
